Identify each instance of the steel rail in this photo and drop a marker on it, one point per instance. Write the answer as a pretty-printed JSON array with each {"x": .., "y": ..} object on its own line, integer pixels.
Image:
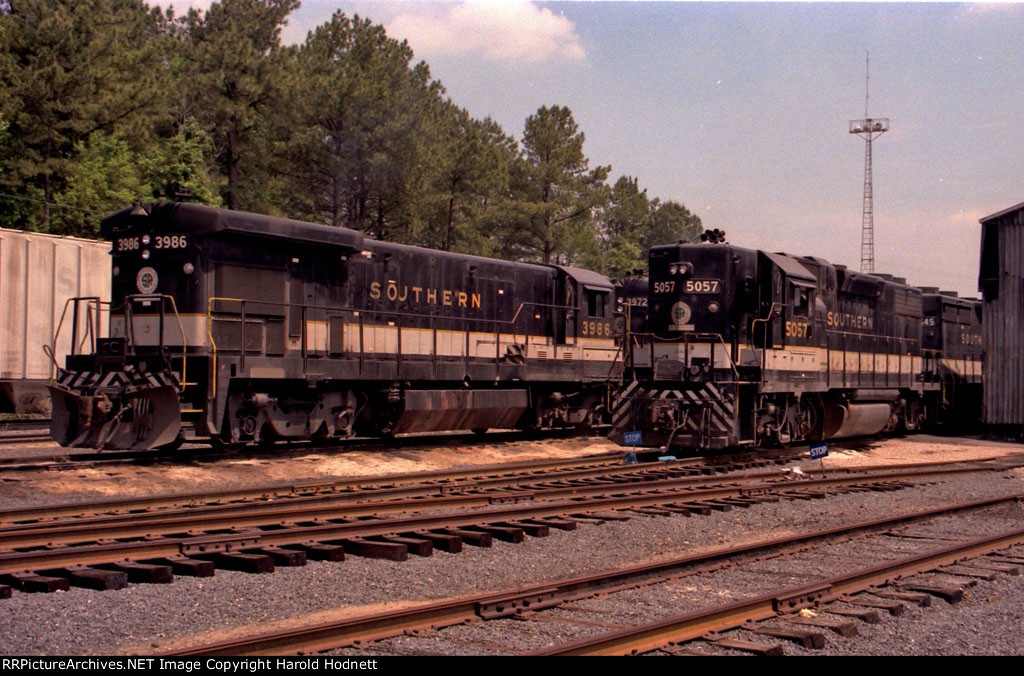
[
  {"x": 486, "y": 509},
  {"x": 25, "y": 438},
  {"x": 689, "y": 626},
  {"x": 341, "y": 633},
  {"x": 403, "y": 499},
  {"x": 390, "y": 499},
  {"x": 435, "y": 478},
  {"x": 293, "y": 507},
  {"x": 385, "y": 486}
]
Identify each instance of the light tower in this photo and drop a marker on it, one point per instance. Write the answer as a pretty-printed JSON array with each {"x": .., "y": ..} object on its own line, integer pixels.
[{"x": 868, "y": 129}]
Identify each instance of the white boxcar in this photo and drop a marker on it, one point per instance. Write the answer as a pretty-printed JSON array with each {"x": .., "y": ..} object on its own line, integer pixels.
[{"x": 38, "y": 274}]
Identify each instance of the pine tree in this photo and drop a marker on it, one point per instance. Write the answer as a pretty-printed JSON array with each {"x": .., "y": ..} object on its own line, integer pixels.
[
  {"x": 237, "y": 59},
  {"x": 470, "y": 175},
  {"x": 359, "y": 130},
  {"x": 71, "y": 68},
  {"x": 554, "y": 191}
]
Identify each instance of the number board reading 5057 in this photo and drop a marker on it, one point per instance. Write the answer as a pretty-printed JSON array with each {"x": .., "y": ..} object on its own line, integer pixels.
[{"x": 701, "y": 286}]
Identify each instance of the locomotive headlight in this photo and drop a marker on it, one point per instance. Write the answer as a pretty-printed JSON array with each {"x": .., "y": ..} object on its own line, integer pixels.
[
  {"x": 145, "y": 254},
  {"x": 672, "y": 269},
  {"x": 145, "y": 240},
  {"x": 188, "y": 268},
  {"x": 714, "y": 307},
  {"x": 116, "y": 271}
]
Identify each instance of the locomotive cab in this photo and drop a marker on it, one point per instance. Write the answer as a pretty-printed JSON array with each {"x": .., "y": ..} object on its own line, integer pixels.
[
  {"x": 793, "y": 305},
  {"x": 128, "y": 396},
  {"x": 588, "y": 309}
]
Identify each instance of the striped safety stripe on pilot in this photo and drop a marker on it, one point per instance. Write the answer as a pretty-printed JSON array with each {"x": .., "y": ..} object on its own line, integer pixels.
[
  {"x": 709, "y": 408},
  {"x": 80, "y": 380},
  {"x": 622, "y": 406}
]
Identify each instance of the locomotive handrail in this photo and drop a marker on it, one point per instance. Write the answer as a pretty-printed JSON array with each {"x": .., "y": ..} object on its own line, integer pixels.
[
  {"x": 392, "y": 313},
  {"x": 338, "y": 308},
  {"x": 764, "y": 349},
  {"x": 130, "y": 326},
  {"x": 687, "y": 339},
  {"x": 432, "y": 317},
  {"x": 94, "y": 301},
  {"x": 902, "y": 349}
]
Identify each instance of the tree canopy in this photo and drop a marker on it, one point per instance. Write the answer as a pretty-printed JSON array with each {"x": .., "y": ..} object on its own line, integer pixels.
[{"x": 103, "y": 102}]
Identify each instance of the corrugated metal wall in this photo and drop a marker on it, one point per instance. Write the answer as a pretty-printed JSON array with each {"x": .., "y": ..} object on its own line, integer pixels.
[
  {"x": 38, "y": 273},
  {"x": 1003, "y": 319}
]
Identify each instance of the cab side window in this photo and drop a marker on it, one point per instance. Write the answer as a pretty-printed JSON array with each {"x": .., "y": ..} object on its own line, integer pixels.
[
  {"x": 597, "y": 303},
  {"x": 801, "y": 301}
]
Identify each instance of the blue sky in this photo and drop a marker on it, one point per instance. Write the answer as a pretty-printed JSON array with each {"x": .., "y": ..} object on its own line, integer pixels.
[{"x": 740, "y": 110}]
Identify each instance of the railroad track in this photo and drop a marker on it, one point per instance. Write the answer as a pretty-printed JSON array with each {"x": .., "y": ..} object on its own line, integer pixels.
[
  {"x": 197, "y": 452},
  {"x": 561, "y": 473},
  {"x": 22, "y": 438},
  {"x": 779, "y": 614},
  {"x": 471, "y": 487},
  {"x": 106, "y": 552},
  {"x": 21, "y": 432}
]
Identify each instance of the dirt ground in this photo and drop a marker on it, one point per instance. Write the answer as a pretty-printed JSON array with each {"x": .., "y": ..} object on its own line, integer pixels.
[
  {"x": 97, "y": 483},
  {"x": 918, "y": 448},
  {"x": 197, "y": 475}
]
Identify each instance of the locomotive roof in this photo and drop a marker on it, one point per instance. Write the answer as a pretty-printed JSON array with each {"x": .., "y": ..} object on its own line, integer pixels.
[
  {"x": 794, "y": 266},
  {"x": 586, "y": 277},
  {"x": 202, "y": 219},
  {"x": 391, "y": 247},
  {"x": 791, "y": 266}
]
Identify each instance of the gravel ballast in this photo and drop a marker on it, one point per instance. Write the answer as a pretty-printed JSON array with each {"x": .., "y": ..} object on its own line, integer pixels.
[{"x": 144, "y": 619}]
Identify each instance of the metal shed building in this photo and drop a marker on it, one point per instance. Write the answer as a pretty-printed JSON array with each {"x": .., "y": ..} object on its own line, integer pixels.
[{"x": 1001, "y": 282}]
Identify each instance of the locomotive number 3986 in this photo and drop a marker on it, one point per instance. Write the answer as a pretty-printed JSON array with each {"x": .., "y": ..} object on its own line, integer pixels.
[
  {"x": 595, "y": 328},
  {"x": 158, "y": 242}
]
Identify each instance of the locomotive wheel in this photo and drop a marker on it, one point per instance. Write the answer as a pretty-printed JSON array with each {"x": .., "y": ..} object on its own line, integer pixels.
[{"x": 480, "y": 431}]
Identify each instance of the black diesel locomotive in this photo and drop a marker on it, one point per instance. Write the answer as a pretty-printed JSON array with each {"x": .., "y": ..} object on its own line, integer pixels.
[
  {"x": 248, "y": 328},
  {"x": 749, "y": 348}
]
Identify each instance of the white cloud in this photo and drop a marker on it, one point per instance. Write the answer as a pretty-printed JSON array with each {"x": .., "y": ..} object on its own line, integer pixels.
[{"x": 513, "y": 31}]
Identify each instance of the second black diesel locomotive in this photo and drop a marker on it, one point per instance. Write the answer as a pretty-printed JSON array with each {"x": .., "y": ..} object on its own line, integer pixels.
[
  {"x": 248, "y": 328},
  {"x": 750, "y": 348}
]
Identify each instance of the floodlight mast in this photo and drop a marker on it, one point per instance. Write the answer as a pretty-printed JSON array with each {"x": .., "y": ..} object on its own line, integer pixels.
[{"x": 869, "y": 129}]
